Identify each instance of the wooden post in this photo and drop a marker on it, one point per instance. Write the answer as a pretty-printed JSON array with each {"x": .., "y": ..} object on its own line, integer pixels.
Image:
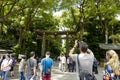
[
  {"x": 67, "y": 44},
  {"x": 43, "y": 45},
  {"x": 44, "y": 33}
]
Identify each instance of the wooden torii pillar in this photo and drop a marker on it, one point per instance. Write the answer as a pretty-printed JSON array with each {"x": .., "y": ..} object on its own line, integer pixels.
[
  {"x": 46, "y": 33},
  {"x": 43, "y": 45},
  {"x": 67, "y": 43}
]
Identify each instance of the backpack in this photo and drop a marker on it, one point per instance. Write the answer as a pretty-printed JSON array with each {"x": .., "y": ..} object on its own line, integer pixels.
[{"x": 14, "y": 62}]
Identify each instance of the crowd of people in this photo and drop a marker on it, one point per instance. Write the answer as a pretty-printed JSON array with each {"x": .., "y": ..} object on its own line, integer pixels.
[
  {"x": 27, "y": 68},
  {"x": 84, "y": 64},
  {"x": 66, "y": 63}
]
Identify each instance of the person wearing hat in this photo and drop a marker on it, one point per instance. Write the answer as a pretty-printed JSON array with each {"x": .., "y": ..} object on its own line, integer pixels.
[
  {"x": 31, "y": 65},
  {"x": 46, "y": 64},
  {"x": 84, "y": 60}
]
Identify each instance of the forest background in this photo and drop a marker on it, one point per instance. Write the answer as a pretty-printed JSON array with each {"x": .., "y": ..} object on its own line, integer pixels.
[{"x": 95, "y": 22}]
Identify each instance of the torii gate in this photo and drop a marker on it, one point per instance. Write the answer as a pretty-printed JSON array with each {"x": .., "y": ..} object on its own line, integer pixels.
[{"x": 45, "y": 35}]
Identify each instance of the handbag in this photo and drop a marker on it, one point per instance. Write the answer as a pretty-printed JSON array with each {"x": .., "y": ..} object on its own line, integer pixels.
[{"x": 84, "y": 74}]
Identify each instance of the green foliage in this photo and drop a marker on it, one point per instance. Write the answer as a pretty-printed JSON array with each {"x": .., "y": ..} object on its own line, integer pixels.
[
  {"x": 94, "y": 17},
  {"x": 22, "y": 18},
  {"x": 115, "y": 37},
  {"x": 17, "y": 50},
  {"x": 54, "y": 47},
  {"x": 91, "y": 19}
]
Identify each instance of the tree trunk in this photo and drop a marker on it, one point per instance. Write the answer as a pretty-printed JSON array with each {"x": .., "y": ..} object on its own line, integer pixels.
[
  {"x": 20, "y": 37},
  {"x": 81, "y": 19},
  {"x": 43, "y": 45},
  {"x": 1, "y": 28},
  {"x": 113, "y": 40},
  {"x": 106, "y": 34},
  {"x": 67, "y": 44}
]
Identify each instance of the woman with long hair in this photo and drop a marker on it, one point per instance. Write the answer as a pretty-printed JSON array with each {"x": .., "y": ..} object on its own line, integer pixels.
[{"x": 111, "y": 71}]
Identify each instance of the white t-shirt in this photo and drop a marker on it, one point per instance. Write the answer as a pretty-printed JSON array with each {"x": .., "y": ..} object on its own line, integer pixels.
[
  {"x": 63, "y": 59},
  {"x": 6, "y": 64},
  {"x": 85, "y": 60}
]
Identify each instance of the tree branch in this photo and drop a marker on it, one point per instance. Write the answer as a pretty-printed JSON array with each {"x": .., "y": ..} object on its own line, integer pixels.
[
  {"x": 2, "y": 19},
  {"x": 74, "y": 19},
  {"x": 11, "y": 8},
  {"x": 4, "y": 16},
  {"x": 5, "y": 4}
]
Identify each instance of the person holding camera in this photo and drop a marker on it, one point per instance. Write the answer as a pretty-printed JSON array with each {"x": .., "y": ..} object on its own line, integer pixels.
[{"x": 84, "y": 60}]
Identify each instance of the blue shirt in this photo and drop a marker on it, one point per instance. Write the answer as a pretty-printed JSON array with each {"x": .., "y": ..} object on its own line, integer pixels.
[{"x": 46, "y": 63}]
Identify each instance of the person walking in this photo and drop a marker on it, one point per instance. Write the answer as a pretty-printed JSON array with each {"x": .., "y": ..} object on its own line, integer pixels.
[
  {"x": 111, "y": 71},
  {"x": 6, "y": 66},
  {"x": 70, "y": 64},
  {"x": 59, "y": 61},
  {"x": 63, "y": 62},
  {"x": 84, "y": 60},
  {"x": 31, "y": 65},
  {"x": 22, "y": 68},
  {"x": 46, "y": 64},
  {"x": 14, "y": 61}
]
